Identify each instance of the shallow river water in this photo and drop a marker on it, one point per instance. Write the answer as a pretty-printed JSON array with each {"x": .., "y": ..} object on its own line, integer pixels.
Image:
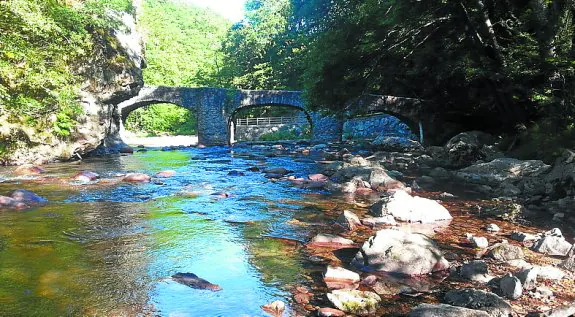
[{"x": 100, "y": 250}]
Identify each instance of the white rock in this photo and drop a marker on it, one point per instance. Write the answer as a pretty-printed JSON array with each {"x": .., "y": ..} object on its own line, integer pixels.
[
  {"x": 334, "y": 273},
  {"x": 404, "y": 207},
  {"x": 492, "y": 227}
]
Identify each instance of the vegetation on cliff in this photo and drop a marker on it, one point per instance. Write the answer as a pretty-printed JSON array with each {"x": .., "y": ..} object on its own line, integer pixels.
[{"x": 45, "y": 51}]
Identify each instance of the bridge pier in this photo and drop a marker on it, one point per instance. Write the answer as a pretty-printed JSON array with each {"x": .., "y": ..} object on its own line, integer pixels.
[
  {"x": 212, "y": 117},
  {"x": 326, "y": 128}
]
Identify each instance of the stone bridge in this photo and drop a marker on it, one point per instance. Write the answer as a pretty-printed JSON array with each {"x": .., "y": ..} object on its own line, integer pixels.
[{"x": 215, "y": 109}]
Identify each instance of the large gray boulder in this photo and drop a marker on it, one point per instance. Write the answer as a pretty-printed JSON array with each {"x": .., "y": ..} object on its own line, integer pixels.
[
  {"x": 396, "y": 251},
  {"x": 552, "y": 245},
  {"x": 443, "y": 310},
  {"x": 501, "y": 170},
  {"x": 494, "y": 305},
  {"x": 466, "y": 148},
  {"x": 404, "y": 207}
]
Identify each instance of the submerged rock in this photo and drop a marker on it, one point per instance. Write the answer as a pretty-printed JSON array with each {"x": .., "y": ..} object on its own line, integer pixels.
[
  {"x": 29, "y": 170},
  {"x": 27, "y": 197},
  {"x": 362, "y": 303},
  {"x": 193, "y": 281},
  {"x": 86, "y": 176},
  {"x": 275, "y": 308},
  {"x": 443, "y": 310},
  {"x": 137, "y": 178},
  {"x": 165, "y": 174},
  {"x": 340, "y": 278},
  {"x": 11, "y": 203},
  {"x": 396, "y": 251}
]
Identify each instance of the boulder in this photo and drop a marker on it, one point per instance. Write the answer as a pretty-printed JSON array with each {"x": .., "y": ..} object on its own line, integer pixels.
[
  {"x": 505, "y": 252},
  {"x": 494, "y": 305},
  {"x": 348, "y": 220},
  {"x": 193, "y": 281},
  {"x": 318, "y": 178},
  {"x": 278, "y": 171},
  {"x": 137, "y": 178},
  {"x": 404, "y": 207},
  {"x": 475, "y": 271},
  {"x": 552, "y": 245},
  {"x": 331, "y": 241},
  {"x": 528, "y": 277},
  {"x": 275, "y": 308},
  {"x": 523, "y": 237},
  {"x": 340, "y": 278},
  {"x": 27, "y": 197},
  {"x": 569, "y": 263},
  {"x": 549, "y": 272},
  {"x": 501, "y": 170},
  {"x": 396, "y": 144},
  {"x": 510, "y": 287},
  {"x": 443, "y": 310},
  {"x": 360, "y": 303},
  {"x": 396, "y": 251},
  {"x": 479, "y": 242},
  {"x": 466, "y": 148},
  {"x": 380, "y": 180}
]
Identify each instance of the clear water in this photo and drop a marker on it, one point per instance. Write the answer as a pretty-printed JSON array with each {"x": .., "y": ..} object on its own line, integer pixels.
[{"x": 108, "y": 249}]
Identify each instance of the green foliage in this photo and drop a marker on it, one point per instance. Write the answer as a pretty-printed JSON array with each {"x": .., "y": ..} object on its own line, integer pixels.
[
  {"x": 182, "y": 49},
  {"x": 182, "y": 43},
  {"x": 261, "y": 52},
  {"x": 288, "y": 134},
  {"x": 162, "y": 118},
  {"x": 41, "y": 45}
]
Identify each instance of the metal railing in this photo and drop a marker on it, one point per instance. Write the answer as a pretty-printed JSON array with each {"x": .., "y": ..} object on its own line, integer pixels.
[{"x": 270, "y": 121}]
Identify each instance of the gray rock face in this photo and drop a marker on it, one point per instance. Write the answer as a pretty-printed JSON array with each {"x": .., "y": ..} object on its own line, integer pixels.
[
  {"x": 510, "y": 287},
  {"x": 400, "y": 252},
  {"x": 494, "y": 305},
  {"x": 355, "y": 302},
  {"x": 396, "y": 144},
  {"x": 404, "y": 207},
  {"x": 475, "y": 271},
  {"x": 500, "y": 170},
  {"x": 552, "y": 245},
  {"x": 443, "y": 310},
  {"x": 506, "y": 252},
  {"x": 569, "y": 263},
  {"x": 466, "y": 148}
]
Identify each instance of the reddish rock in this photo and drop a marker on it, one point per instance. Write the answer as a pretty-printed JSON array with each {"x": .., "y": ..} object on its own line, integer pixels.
[
  {"x": 275, "y": 308},
  {"x": 136, "y": 178},
  {"x": 86, "y": 176},
  {"x": 28, "y": 170},
  {"x": 330, "y": 312},
  {"x": 10, "y": 203},
  {"x": 340, "y": 278},
  {"x": 302, "y": 298},
  {"x": 165, "y": 174},
  {"x": 330, "y": 241},
  {"x": 318, "y": 178}
]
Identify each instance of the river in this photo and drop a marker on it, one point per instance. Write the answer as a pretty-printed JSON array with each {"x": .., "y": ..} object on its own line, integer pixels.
[{"x": 108, "y": 248}]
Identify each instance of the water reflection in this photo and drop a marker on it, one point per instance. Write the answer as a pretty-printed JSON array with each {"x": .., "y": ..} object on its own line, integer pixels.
[{"x": 108, "y": 249}]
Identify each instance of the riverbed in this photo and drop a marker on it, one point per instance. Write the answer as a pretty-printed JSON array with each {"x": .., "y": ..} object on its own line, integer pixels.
[{"x": 108, "y": 248}]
